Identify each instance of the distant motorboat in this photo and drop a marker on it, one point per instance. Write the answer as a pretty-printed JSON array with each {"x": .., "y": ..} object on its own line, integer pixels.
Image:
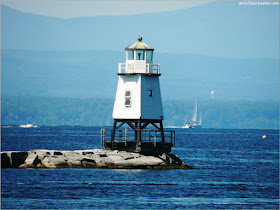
[
  {"x": 194, "y": 123},
  {"x": 28, "y": 126}
]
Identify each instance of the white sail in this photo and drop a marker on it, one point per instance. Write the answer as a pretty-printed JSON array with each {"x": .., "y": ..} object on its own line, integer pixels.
[
  {"x": 195, "y": 112},
  {"x": 199, "y": 119}
]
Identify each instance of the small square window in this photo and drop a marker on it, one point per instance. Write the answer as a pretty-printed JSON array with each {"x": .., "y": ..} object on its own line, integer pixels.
[
  {"x": 127, "y": 94},
  {"x": 149, "y": 54},
  {"x": 150, "y": 93},
  {"x": 127, "y": 97},
  {"x": 127, "y": 102},
  {"x": 140, "y": 55},
  {"x": 130, "y": 55}
]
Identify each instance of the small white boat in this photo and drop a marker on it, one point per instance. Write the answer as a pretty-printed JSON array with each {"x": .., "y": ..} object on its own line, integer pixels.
[
  {"x": 192, "y": 125},
  {"x": 27, "y": 126}
]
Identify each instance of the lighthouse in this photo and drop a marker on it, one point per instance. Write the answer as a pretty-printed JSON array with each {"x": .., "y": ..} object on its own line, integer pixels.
[{"x": 138, "y": 105}]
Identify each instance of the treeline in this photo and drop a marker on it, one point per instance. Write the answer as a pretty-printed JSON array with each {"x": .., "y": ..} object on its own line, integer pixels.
[
  {"x": 225, "y": 114},
  {"x": 56, "y": 111},
  {"x": 16, "y": 110}
]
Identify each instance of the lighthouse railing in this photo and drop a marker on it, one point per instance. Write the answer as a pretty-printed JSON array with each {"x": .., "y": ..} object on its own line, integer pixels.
[
  {"x": 152, "y": 68},
  {"x": 143, "y": 135},
  {"x": 124, "y": 68}
]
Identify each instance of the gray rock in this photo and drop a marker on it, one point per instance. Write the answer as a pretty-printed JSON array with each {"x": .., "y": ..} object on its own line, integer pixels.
[
  {"x": 74, "y": 163},
  {"x": 42, "y": 153},
  {"x": 71, "y": 155},
  {"x": 107, "y": 161},
  {"x": 146, "y": 161},
  {"x": 89, "y": 163},
  {"x": 96, "y": 158},
  {"x": 55, "y": 162},
  {"x": 32, "y": 159},
  {"x": 84, "y": 152},
  {"x": 126, "y": 155},
  {"x": 123, "y": 164}
]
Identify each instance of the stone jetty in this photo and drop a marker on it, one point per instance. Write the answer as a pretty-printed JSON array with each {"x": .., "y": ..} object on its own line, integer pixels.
[{"x": 95, "y": 158}]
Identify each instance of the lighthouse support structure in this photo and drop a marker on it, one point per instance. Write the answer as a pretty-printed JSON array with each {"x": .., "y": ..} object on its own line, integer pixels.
[{"x": 137, "y": 126}]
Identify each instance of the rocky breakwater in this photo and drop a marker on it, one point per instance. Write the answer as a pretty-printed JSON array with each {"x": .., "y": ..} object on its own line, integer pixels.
[{"x": 96, "y": 158}]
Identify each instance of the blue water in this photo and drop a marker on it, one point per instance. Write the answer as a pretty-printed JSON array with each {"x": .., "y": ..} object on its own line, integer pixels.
[{"x": 233, "y": 169}]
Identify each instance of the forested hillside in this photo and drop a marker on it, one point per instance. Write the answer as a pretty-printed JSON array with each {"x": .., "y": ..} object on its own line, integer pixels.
[{"x": 98, "y": 112}]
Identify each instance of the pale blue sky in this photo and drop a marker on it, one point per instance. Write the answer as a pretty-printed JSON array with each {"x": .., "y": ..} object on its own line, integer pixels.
[{"x": 86, "y": 8}]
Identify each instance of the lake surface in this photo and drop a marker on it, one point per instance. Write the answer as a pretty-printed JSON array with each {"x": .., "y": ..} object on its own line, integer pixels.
[{"x": 233, "y": 169}]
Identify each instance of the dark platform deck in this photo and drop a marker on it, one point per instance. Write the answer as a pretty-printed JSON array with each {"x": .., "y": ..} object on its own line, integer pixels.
[
  {"x": 148, "y": 142},
  {"x": 145, "y": 148}
]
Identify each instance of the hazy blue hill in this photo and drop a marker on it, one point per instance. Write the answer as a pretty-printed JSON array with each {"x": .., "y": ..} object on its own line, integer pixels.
[
  {"x": 222, "y": 29},
  {"x": 61, "y": 73},
  {"x": 192, "y": 75},
  {"x": 98, "y": 112},
  {"x": 93, "y": 74},
  {"x": 56, "y": 111}
]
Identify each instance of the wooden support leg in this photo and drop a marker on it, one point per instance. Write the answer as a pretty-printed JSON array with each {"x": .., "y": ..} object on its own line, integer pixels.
[
  {"x": 136, "y": 133},
  {"x": 113, "y": 132},
  {"x": 162, "y": 132},
  {"x": 139, "y": 129}
]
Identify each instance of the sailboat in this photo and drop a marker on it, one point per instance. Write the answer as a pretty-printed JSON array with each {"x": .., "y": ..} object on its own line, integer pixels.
[
  {"x": 28, "y": 126},
  {"x": 194, "y": 123}
]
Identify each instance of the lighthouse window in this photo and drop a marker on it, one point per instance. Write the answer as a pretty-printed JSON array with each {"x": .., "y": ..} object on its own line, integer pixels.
[
  {"x": 130, "y": 55},
  {"x": 149, "y": 56},
  {"x": 139, "y": 54},
  {"x": 127, "y": 102},
  {"x": 127, "y": 94},
  {"x": 127, "y": 97}
]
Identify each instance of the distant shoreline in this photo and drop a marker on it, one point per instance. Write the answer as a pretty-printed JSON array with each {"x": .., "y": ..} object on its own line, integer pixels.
[{"x": 59, "y": 111}]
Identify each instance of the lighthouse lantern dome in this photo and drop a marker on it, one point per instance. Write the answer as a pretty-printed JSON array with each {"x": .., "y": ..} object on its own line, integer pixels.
[{"x": 139, "y": 51}]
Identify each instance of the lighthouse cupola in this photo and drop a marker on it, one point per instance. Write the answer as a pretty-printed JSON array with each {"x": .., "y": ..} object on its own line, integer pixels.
[
  {"x": 138, "y": 104},
  {"x": 139, "y": 58}
]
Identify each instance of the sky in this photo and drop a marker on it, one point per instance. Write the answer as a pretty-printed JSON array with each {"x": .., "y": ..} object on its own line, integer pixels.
[{"x": 89, "y": 8}]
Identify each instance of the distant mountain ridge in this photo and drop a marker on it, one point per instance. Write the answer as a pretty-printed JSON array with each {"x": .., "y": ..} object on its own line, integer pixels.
[
  {"x": 94, "y": 74},
  {"x": 221, "y": 29}
]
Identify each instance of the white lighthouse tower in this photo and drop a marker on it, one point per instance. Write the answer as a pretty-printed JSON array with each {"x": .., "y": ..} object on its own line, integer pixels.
[{"x": 138, "y": 103}]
